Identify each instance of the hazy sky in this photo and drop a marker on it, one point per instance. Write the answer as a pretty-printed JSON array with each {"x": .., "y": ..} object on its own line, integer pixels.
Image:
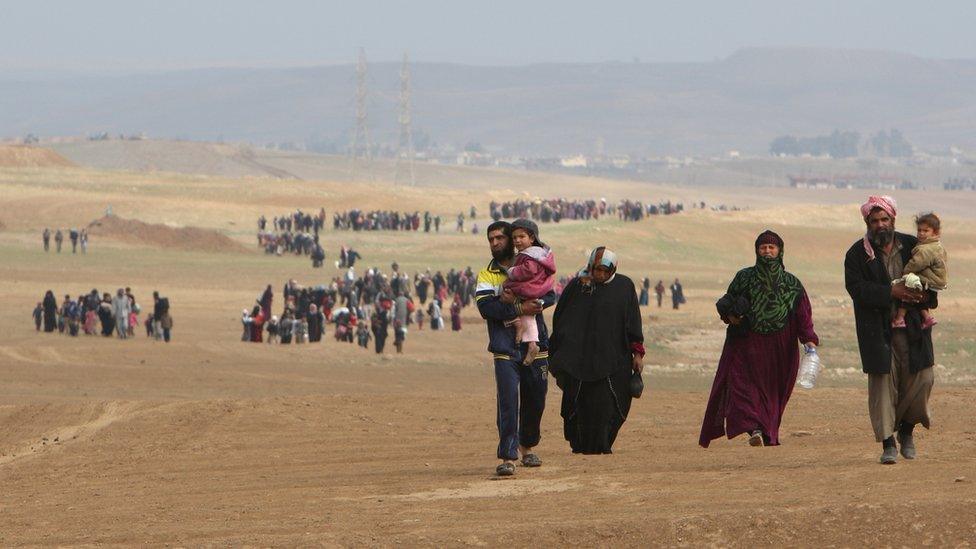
[{"x": 153, "y": 34}]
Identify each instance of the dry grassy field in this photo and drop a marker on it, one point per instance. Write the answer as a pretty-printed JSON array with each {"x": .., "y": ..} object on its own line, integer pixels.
[{"x": 210, "y": 441}]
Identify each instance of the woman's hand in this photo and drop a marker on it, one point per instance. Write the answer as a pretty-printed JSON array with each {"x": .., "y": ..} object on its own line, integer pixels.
[
  {"x": 810, "y": 344},
  {"x": 638, "y": 363},
  {"x": 735, "y": 320}
]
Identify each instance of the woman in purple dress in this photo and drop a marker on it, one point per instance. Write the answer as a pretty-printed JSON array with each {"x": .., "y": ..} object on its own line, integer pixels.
[
  {"x": 768, "y": 312},
  {"x": 456, "y": 313}
]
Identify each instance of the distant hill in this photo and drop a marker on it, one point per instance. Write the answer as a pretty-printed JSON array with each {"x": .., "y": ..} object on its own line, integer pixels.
[
  {"x": 168, "y": 156},
  {"x": 17, "y": 156},
  {"x": 741, "y": 102}
]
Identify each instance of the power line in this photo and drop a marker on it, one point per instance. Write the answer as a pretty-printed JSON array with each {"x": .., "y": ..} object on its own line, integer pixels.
[
  {"x": 405, "y": 152},
  {"x": 361, "y": 146}
]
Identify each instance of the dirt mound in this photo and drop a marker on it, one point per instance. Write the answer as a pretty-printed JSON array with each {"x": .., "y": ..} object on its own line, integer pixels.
[
  {"x": 20, "y": 156},
  {"x": 163, "y": 236},
  {"x": 186, "y": 157}
]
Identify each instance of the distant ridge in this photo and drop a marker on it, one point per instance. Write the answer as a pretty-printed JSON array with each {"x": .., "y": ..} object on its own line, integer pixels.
[
  {"x": 186, "y": 157},
  {"x": 741, "y": 102},
  {"x": 21, "y": 156}
]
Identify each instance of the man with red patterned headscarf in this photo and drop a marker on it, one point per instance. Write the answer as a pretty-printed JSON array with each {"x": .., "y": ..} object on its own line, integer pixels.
[{"x": 898, "y": 362}]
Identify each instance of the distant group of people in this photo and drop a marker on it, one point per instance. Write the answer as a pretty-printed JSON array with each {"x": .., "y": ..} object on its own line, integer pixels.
[
  {"x": 361, "y": 309},
  {"x": 385, "y": 220},
  {"x": 676, "y": 289},
  {"x": 75, "y": 237},
  {"x": 104, "y": 314},
  {"x": 636, "y": 210},
  {"x": 298, "y": 221},
  {"x": 547, "y": 210},
  {"x": 296, "y": 234},
  {"x": 296, "y": 243},
  {"x": 555, "y": 210}
]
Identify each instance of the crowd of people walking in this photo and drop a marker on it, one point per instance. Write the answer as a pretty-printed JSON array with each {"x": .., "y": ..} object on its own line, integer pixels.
[
  {"x": 385, "y": 220},
  {"x": 296, "y": 234},
  {"x": 103, "y": 314},
  {"x": 554, "y": 210},
  {"x": 361, "y": 308},
  {"x": 595, "y": 351}
]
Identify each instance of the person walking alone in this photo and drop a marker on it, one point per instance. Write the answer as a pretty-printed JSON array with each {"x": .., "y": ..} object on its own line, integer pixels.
[
  {"x": 659, "y": 290},
  {"x": 677, "y": 294}
]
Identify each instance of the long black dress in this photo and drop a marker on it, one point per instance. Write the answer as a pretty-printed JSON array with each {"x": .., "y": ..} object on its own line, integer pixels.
[
  {"x": 50, "y": 312},
  {"x": 315, "y": 326},
  {"x": 105, "y": 316},
  {"x": 590, "y": 355},
  {"x": 380, "y": 325}
]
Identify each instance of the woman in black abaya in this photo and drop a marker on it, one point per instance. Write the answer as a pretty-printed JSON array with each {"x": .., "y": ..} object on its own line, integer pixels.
[
  {"x": 50, "y": 305},
  {"x": 596, "y": 346},
  {"x": 105, "y": 315}
]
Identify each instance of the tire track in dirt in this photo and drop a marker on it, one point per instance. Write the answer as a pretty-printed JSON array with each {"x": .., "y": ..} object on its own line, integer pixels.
[
  {"x": 247, "y": 158},
  {"x": 34, "y": 355},
  {"x": 111, "y": 412},
  {"x": 14, "y": 355}
]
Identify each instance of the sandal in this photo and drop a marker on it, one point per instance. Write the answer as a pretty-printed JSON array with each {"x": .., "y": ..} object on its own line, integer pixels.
[
  {"x": 531, "y": 460},
  {"x": 505, "y": 469}
]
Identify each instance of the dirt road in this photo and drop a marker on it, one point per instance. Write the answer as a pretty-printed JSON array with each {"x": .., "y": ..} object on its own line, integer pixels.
[{"x": 198, "y": 443}]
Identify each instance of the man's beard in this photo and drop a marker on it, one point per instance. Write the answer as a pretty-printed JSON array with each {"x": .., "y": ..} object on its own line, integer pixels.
[
  {"x": 505, "y": 253},
  {"x": 882, "y": 237}
]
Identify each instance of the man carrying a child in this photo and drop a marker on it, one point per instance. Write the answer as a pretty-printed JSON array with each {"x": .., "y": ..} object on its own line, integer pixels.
[
  {"x": 898, "y": 360},
  {"x": 521, "y": 388}
]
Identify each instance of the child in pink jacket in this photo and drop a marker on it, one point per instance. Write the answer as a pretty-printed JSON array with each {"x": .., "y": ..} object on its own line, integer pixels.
[{"x": 530, "y": 278}]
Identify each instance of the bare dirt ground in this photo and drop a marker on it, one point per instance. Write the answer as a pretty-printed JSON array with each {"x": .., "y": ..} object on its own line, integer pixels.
[
  {"x": 133, "y": 231},
  {"x": 210, "y": 441}
]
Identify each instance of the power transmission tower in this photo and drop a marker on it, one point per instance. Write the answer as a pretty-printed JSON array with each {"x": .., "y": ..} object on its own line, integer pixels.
[
  {"x": 405, "y": 151},
  {"x": 361, "y": 147}
]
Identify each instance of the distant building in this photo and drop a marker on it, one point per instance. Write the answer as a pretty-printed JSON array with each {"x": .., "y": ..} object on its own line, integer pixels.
[
  {"x": 851, "y": 181},
  {"x": 960, "y": 184},
  {"x": 578, "y": 161}
]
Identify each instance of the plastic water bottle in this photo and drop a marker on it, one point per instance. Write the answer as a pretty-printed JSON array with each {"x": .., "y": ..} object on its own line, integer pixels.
[{"x": 809, "y": 367}]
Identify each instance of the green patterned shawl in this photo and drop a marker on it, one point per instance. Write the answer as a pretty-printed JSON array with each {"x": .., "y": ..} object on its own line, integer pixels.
[{"x": 772, "y": 293}]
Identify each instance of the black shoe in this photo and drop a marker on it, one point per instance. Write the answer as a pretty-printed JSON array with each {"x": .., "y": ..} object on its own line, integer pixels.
[
  {"x": 889, "y": 456},
  {"x": 531, "y": 460},
  {"x": 907, "y": 444}
]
